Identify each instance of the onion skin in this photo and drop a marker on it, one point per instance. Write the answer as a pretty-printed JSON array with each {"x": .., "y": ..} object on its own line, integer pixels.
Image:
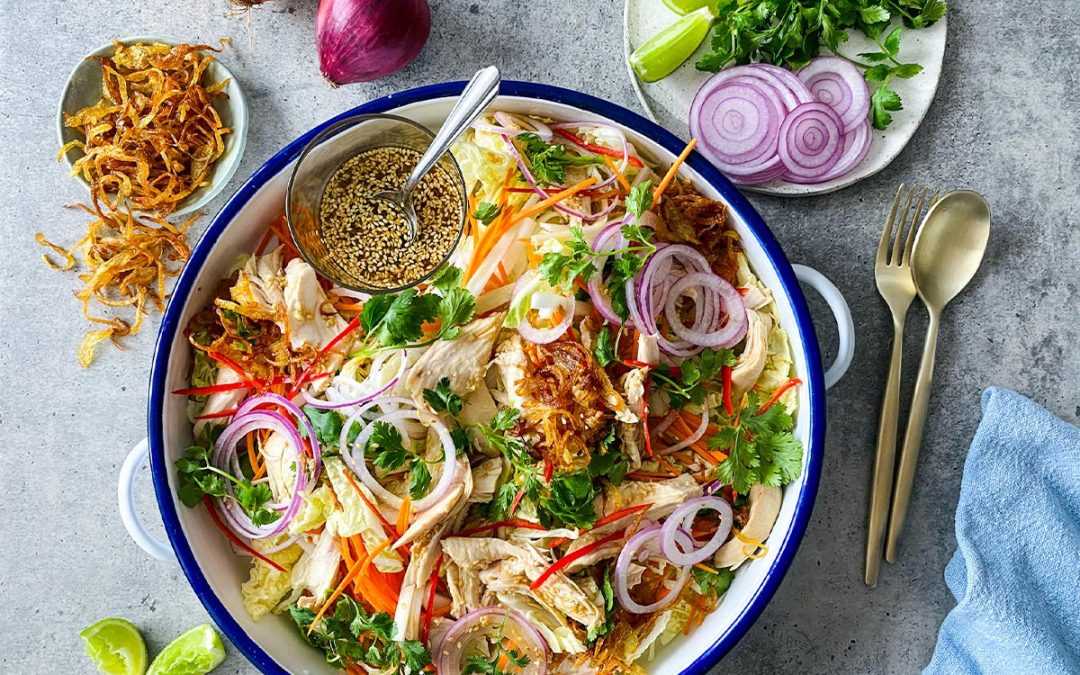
[{"x": 364, "y": 40}]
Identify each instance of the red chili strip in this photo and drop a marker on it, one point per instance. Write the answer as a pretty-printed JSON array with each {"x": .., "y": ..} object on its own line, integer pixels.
[
  {"x": 598, "y": 149},
  {"x": 726, "y": 374},
  {"x": 780, "y": 392},
  {"x": 567, "y": 559},
  {"x": 303, "y": 379},
  {"x": 217, "y": 415},
  {"x": 233, "y": 366},
  {"x": 237, "y": 541}
]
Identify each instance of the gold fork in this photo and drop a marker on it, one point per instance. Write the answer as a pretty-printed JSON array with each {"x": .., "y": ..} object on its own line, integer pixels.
[{"x": 896, "y": 285}]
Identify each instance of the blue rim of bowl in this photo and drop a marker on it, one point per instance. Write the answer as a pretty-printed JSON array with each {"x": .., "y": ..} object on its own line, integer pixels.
[
  {"x": 239, "y": 127},
  {"x": 170, "y": 324}
]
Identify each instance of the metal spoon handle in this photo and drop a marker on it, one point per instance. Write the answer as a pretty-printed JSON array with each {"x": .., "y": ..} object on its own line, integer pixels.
[
  {"x": 909, "y": 453},
  {"x": 885, "y": 457},
  {"x": 477, "y": 95}
]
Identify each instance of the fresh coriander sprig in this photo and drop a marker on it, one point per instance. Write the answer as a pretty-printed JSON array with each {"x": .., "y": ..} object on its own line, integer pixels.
[
  {"x": 691, "y": 382},
  {"x": 761, "y": 450},
  {"x": 397, "y": 321},
  {"x": 199, "y": 478},
  {"x": 387, "y": 450},
  {"x": 486, "y": 212},
  {"x": 548, "y": 161},
  {"x": 351, "y": 636}
]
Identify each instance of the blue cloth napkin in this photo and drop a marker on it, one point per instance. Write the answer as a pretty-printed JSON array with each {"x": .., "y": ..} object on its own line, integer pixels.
[{"x": 1016, "y": 570}]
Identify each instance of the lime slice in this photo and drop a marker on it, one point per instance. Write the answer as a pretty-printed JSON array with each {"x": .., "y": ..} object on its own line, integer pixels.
[
  {"x": 661, "y": 54},
  {"x": 681, "y": 7},
  {"x": 116, "y": 647},
  {"x": 196, "y": 652}
]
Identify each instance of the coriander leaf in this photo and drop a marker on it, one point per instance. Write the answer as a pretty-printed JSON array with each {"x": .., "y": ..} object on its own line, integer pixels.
[
  {"x": 499, "y": 506},
  {"x": 417, "y": 657},
  {"x": 604, "y": 347},
  {"x": 386, "y": 440},
  {"x": 713, "y": 585},
  {"x": 374, "y": 312},
  {"x": 486, "y": 212},
  {"x": 874, "y": 57},
  {"x": 882, "y": 101},
  {"x": 892, "y": 42},
  {"x": 878, "y": 73},
  {"x": 874, "y": 14},
  {"x": 326, "y": 423},
  {"x": 505, "y": 419},
  {"x": 907, "y": 70},
  {"x": 760, "y": 446},
  {"x": 442, "y": 398},
  {"x": 455, "y": 309},
  {"x": 570, "y": 500},
  {"x": 640, "y": 198},
  {"x": 607, "y": 461},
  {"x": 549, "y": 162},
  {"x": 561, "y": 269},
  {"x": 448, "y": 277},
  {"x": 419, "y": 479}
]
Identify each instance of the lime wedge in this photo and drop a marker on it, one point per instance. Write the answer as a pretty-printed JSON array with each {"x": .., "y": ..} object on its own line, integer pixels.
[
  {"x": 116, "y": 647},
  {"x": 681, "y": 7},
  {"x": 661, "y": 54},
  {"x": 196, "y": 652}
]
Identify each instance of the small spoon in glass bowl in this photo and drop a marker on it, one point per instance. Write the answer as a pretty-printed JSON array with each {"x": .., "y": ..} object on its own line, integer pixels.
[{"x": 475, "y": 98}]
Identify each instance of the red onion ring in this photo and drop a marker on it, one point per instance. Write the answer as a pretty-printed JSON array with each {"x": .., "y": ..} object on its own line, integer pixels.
[
  {"x": 485, "y": 623},
  {"x": 225, "y": 458},
  {"x": 738, "y": 121},
  {"x": 354, "y": 458},
  {"x": 608, "y": 240},
  {"x": 715, "y": 289},
  {"x": 648, "y": 537},
  {"x": 326, "y": 405},
  {"x": 542, "y": 336},
  {"x": 856, "y": 147},
  {"x": 702, "y": 427},
  {"x": 839, "y": 84},
  {"x": 682, "y": 520},
  {"x": 811, "y": 142},
  {"x": 301, "y": 419}
]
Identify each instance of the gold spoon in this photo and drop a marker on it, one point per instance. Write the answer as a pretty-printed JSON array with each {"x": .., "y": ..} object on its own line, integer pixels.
[{"x": 948, "y": 250}]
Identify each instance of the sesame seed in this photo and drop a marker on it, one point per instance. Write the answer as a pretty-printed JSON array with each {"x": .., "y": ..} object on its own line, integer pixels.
[{"x": 366, "y": 237}]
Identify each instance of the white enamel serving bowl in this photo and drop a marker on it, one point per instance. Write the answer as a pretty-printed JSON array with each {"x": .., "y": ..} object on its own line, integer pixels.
[{"x": 215, "y": 572}]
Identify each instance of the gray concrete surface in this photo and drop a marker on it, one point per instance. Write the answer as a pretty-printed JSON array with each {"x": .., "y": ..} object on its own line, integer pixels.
[{"x": 1003, "y": 124}]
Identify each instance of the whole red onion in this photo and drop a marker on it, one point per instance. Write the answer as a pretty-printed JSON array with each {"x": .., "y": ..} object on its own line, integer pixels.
[{"x": 363, "y": 40}]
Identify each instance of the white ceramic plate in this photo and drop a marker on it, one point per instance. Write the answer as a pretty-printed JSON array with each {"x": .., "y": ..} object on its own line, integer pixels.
[{"x": 668, "y": 101}]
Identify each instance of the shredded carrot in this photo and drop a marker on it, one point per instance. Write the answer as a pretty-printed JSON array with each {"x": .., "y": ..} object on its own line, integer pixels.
[
  {"x": 550, "y": 201},
  {"x": 356, "y": 568},
  {"x": 403, "y": 515},
  {"x": 378, "y": 549},
  {"x": 672, "y": 170},
  {"x": 258, "y": 466},
  {"x": 703, "y": 566},
  {"x": 618, "y": 174},
  {"x": 349, "y": 307},
  {"x": 780, "y": 392}
]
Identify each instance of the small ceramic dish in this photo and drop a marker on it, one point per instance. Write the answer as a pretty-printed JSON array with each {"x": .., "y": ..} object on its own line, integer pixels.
[{"x": 83, "y": 89}]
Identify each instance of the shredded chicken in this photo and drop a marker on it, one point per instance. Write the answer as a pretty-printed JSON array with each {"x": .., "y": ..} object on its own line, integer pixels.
[{"x": 463, "y": 360}]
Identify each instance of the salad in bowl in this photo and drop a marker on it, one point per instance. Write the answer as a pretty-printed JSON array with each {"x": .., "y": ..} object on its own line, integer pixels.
[{"x": 552, "y": 456}]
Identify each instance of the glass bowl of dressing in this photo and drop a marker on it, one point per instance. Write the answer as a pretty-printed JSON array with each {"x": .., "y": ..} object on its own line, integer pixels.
[{"x": 351, "y": 237}]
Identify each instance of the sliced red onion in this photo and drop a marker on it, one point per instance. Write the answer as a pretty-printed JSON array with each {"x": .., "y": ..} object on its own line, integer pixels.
[
  {"x": 643, "y": 545},
  {"x": 225, "y": 458},
  {"x": 738, "y": 121},
  {"x": 856, "y": 147},
  {"x": 714, "y": 289},
  {"x": 702, "y": 427},
  {"x": 490, "y": 623},
  {"x": 301, "y": 419},
  {"x": 682, "y": 520},
  {"x": 327, "y": 405},
  {"x": 811, "y": 142},
  {"x": 839, "y": 84},
  {"x": 668, "y": 420},
  {"x": 354, "y": 457}
]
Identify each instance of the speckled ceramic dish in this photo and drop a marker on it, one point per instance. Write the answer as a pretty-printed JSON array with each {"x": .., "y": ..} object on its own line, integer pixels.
[
  {"x": 83, "y": 89},
  {"x": 273, "y": 644},
  {"x": 668, "y": 100}
]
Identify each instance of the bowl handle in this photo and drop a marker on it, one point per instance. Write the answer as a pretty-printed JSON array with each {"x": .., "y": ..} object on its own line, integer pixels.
[
  {"x": 125, "y": 494},
  {"x": 844, "y": 325}
]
